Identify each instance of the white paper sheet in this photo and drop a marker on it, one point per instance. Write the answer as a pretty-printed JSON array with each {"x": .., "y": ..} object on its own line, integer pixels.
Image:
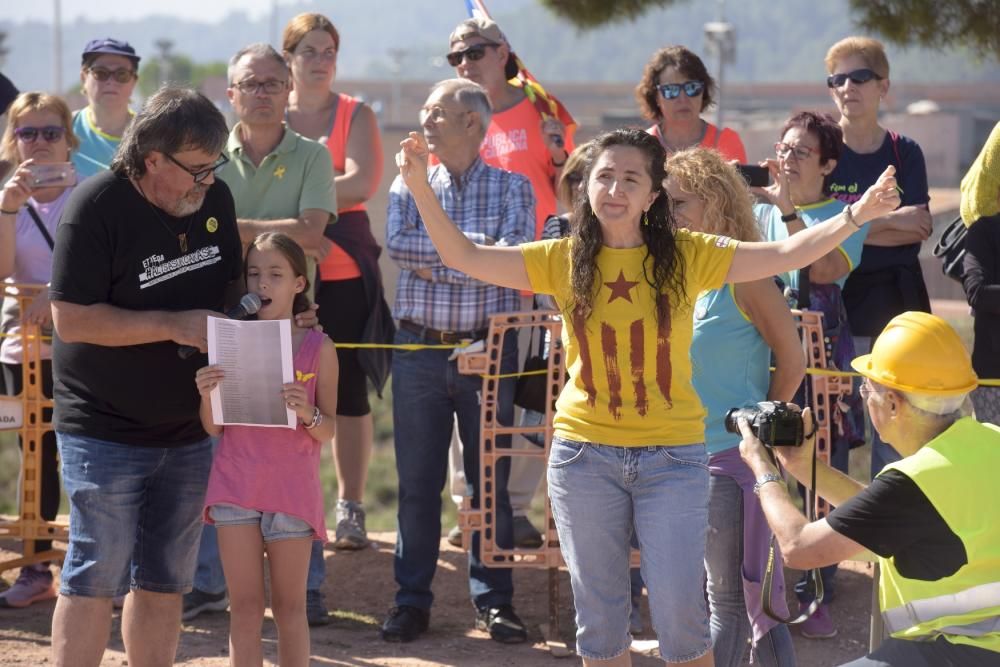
[{"x": 257, "y": 359}]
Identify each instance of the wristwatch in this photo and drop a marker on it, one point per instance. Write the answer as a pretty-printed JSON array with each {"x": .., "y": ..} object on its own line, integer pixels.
[{"x": 764, "y": 479}]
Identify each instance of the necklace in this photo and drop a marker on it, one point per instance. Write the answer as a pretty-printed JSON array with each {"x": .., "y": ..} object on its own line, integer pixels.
[{"x": 182, "y": 238}]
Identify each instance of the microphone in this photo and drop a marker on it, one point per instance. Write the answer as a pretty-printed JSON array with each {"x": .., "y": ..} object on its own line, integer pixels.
[{"x": 249, "y": 305}]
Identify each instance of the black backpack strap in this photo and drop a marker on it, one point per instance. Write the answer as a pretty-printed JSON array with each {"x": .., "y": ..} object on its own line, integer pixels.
[{"x": 41, "y": 226}]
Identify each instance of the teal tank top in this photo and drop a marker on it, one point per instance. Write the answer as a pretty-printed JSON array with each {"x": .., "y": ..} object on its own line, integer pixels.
[{"x": 730, "y": 363}]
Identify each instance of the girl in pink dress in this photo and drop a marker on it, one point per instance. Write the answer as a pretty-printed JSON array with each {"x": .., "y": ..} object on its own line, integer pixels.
[{"x": 264, "y": 493}]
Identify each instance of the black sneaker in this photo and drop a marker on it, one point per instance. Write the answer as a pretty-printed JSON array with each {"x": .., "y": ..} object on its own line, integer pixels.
[
  {"x": 197, "y": 602},
  {"x": 503, "y": 624},
  {"x": 405, "y": 623},
  {"x": 526, "y": 536},
  {"x": 316, "y": 613}
]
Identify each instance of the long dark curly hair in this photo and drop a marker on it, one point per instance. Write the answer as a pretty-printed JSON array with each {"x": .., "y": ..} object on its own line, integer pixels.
[{"x": 667, "y": 265}]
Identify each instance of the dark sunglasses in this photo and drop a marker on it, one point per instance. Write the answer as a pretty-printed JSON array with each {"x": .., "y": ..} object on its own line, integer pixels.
[
  {"x": 201, "y": 174},
  {"x": 119, "y": 75},
  {"x": 858, "y": 77},
  {"x": 472, "y": 54},
  {"x": 50, "y": 133},
  {"x": 673, "y": 90}
]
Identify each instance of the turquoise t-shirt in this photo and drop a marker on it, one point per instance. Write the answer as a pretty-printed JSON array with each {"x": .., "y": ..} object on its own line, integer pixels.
[
  {"x": 730, "y": 363},
  {"x": 96, "y": 148},
  {"x": 773, "y": 229}
]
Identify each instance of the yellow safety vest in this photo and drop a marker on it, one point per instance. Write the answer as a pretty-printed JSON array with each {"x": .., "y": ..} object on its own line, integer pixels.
[{"x": 959, "y": 472}]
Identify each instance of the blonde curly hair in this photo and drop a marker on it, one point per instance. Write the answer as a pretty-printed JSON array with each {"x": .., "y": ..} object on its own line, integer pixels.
[{"x": 726, "y": 197}]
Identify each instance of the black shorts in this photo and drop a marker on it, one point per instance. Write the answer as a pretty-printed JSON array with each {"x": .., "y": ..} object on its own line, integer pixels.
[{"x": 343, "y": 310}]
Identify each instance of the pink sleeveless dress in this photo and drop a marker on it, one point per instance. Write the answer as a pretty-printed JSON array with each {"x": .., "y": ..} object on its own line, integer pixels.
[{"x": 273, "y": 469}]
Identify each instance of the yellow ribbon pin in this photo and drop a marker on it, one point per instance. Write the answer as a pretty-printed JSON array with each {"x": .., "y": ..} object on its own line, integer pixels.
[{"x": 279, "y": 173}]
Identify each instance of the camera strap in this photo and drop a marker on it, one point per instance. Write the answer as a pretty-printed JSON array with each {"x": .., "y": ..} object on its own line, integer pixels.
[
  {"x": 814, "y": 577},
  {"x": 41, "y": 227}
]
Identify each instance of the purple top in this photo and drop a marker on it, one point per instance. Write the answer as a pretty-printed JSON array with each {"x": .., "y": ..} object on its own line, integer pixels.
[
  {"x": 756, "y": 541},
  {"x": 32, "y": 265}
]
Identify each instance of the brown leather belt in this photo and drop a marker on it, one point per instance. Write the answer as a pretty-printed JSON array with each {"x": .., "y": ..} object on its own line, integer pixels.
[{"x": 442, "y": 337}]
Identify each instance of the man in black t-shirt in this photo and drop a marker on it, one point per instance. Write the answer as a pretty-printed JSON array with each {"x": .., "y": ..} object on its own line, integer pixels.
[
  {"x": 143, "y": 254},
  {"x": 939, "y": 551}
]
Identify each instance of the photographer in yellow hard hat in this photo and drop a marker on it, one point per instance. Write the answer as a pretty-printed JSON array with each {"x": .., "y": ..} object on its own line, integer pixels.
[{"x": 932, "y": 518}]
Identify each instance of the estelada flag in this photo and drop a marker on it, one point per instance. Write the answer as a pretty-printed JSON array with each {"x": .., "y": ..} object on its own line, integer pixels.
[{"x": 547, "y": 105}]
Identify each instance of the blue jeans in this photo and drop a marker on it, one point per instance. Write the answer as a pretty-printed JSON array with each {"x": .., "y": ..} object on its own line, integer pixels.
[
  {"x": 427, "y": 394},
  {"x": 724, "y": 567},
  {"x": 882, "y": 453},
  {"x": 599, "y": 495},
  {"x": 135, "y": 515}
]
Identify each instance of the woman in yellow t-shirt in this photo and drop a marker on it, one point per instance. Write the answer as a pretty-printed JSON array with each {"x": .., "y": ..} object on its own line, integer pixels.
[{"x": 629, "y": 433}]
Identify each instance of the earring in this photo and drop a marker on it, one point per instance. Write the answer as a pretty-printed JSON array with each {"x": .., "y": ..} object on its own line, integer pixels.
[{"x": 645, "y": 218}]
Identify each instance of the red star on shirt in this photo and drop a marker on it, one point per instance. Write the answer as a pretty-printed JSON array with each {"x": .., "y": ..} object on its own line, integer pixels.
[{"x": 620, "y": 287}]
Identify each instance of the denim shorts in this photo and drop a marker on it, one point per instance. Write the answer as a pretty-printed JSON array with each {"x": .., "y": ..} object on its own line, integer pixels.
[
  {"x": 599, "y": 493},
  {"x": 134, "y": 517},
  {"x": 274, "y": 526}
]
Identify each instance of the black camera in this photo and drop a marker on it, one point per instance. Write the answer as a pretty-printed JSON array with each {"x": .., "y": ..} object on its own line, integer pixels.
[{"x": 775, "y": 423}]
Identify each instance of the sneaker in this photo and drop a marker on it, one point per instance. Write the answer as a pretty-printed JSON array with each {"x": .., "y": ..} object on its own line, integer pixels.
[
  {"x": 405, "y": 623},
  {"x": 455, "y": 537},
  {"x": 526, "y": 536},
  {"x": 503, "y": 624},
  {"x": 197, "y": 602},
  {"x": 33, "y": 584},
  {"x": 635, "y": 623},
  {"x": 351, "y": 534},
  {"x": 819, "y": 625},
  {"x": 316, "y": 612}
]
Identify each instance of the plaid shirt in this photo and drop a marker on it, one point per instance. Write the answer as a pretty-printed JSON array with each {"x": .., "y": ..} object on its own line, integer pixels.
[{"x": 489, "y": 202}]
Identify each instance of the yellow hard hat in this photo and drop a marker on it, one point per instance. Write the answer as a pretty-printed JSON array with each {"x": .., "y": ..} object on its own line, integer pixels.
[{"x": 919, "y": 352}]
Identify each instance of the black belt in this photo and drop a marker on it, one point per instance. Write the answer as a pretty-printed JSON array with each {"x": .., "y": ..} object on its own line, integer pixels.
[{"x": 443, "y": 337}]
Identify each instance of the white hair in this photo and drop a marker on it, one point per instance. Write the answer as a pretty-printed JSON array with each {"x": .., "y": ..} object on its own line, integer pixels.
[
  {"x": 939, "y": 406},
  {"x": 468, "y": 94}
]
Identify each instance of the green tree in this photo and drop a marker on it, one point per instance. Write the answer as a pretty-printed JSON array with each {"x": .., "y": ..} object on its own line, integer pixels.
[
  {"x": 938, "y": 24},
  {"x": 181, "y": 71}
]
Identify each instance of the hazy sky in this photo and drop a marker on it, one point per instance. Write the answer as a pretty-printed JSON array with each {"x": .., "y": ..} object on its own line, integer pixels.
[{"x": 209, "y": 11}]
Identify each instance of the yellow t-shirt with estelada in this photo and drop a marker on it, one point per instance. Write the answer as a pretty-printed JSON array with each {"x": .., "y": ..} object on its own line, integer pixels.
[{"x": 630, "y": 376}]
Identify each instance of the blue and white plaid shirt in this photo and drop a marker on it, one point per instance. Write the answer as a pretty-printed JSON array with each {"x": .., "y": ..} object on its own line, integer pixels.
[{"x": 489, "y": 202}]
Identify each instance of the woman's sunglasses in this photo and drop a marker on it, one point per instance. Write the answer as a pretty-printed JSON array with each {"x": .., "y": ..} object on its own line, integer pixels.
[
  {"x": 673, "y": 90},
  {"x": 472, "y": 54},
  {"x": 50, "y": 133},
  {"x": 857, "y": 77},
  {"x": 120, "y": 75}
]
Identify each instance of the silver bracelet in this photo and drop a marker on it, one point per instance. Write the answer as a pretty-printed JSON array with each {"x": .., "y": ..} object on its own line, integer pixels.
[
  {"x": 764, "y": 479},
  {"x": 316, "y": 420}
]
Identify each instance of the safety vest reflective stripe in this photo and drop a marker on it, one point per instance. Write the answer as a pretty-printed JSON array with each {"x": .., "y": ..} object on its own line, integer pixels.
[
  {"x": 954, "y": 604},
  {"x": 986, "y": 627}
]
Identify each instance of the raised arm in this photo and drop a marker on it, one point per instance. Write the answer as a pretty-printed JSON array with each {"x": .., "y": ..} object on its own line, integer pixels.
[
  {"x": 491, "y": 264},
  {"x": 754, "y": 261}
]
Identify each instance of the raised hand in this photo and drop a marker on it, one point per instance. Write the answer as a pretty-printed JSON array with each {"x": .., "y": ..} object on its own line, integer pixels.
[
  {"x": 878, "y": 200},
  {"x": 17, "y": 190},
  {"x": 412, "y": 159}
]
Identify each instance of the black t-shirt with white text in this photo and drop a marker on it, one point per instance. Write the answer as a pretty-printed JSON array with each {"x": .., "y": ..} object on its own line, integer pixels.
[
  {"x": 894, "y": 518},
  {"x": 112, "y": 247}
]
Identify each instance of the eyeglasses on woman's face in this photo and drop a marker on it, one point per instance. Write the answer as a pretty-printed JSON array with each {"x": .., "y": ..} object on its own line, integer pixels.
[
  {"x": 50, "y": 133},
  {"x": 857, "y": 77},
  {"x": 783, "y": 150},
  {"x": 122, "y": 75},
  {"x": 672, "y": 91}
]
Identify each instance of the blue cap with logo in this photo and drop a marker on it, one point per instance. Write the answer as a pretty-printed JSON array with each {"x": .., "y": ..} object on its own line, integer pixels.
[{"x": 112, "y": 47}]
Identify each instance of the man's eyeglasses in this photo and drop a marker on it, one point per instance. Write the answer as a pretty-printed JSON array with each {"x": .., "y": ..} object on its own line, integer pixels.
[
  {"x": 50, "y": 133},
  {"x": 867, "y": 389},
  {"x": 120, "y": 75},
  {"x": 438, "y": 114},
  {"x": 472, "y": 54},
  {"x": 858, "y": 77},
  {"x": 673, "y": 90},
  {"x": 201, "y": 174},
  {"x": 251, "y": 87},
  {"x": 783, "y": 150}
]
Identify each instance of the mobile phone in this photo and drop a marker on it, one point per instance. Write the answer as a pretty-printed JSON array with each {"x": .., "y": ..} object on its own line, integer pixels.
[
  {"x": 52, "y": 175},
  {"x": 755, "y": 176}
]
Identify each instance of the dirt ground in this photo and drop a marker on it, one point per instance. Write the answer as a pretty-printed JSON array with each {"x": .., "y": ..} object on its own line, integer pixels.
[{"x": 359, "y": 591}]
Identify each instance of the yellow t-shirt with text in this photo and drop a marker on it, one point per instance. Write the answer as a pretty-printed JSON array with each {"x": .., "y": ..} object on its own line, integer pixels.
[{"x": 630, "y": 376}]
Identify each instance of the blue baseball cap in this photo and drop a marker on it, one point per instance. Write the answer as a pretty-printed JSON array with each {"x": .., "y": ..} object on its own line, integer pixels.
[{"x": 110, "y": 46}]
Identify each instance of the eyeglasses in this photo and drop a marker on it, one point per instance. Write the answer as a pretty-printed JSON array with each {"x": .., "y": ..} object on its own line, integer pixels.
[
  {"x": 50, "y": 133},
  {"x": 673, "y": 90},
  {"x": 251, "y": 87},
  {"x": 867, "y": 389},
  {"x": 120, "y": 75},
  {"x": 783, "y": 150},
  {"x": 438, "y": 114},
  {"x": 858, "y": 77},
  {"x": 201, "y": 174},
  {"x": 472, "y": 54}
]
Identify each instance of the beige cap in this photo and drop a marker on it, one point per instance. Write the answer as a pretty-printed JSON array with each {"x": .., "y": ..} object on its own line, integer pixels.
[{"x": 481, "y": 27}]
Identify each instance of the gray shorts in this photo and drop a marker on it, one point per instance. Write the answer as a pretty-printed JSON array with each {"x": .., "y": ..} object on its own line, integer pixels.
[{"x": 274, "y": 526}]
